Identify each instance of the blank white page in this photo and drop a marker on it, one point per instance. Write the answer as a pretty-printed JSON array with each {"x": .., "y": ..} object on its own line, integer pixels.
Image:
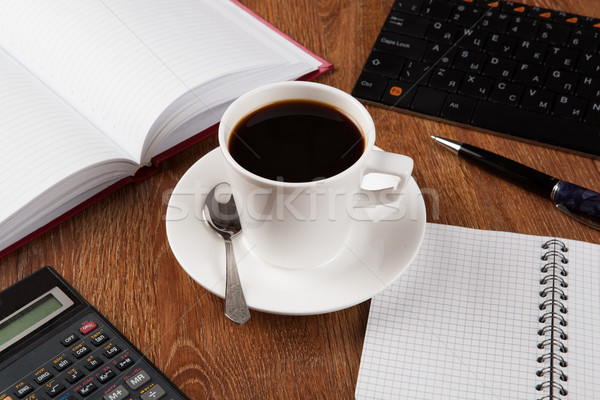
[
  {"x": 43, "y": 142},
  {"x": 462, "y": 322},
  {"x": 123, "y": 62}
]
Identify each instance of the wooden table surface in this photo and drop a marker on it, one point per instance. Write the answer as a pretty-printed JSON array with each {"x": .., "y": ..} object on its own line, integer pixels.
[{"x": 116, "y": 252}]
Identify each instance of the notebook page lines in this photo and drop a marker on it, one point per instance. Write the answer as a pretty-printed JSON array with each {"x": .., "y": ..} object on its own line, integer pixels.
[{"x": 42, "y": 141}]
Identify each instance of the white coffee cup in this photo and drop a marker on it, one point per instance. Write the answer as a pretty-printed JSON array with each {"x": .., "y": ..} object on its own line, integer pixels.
[{"x": 304, "y": 224}]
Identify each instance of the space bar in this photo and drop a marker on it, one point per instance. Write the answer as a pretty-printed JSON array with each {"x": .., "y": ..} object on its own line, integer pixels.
[{"x": 542, "y": 128}]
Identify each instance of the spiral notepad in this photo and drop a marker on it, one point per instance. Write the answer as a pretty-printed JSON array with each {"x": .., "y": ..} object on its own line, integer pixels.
[{"x": 487, "y": 315}]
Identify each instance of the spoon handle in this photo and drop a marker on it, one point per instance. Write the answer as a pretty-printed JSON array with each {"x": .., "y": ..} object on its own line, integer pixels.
[{"x": 235, "y": 302}]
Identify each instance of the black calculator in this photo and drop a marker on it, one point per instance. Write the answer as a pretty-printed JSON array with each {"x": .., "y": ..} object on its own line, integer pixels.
[{"x": 54, "y": 345}]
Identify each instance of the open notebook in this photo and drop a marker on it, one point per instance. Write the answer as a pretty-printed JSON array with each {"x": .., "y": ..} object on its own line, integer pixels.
[
  {"x": 487, "y": 315},
  {"x": 93, "y": 91}
]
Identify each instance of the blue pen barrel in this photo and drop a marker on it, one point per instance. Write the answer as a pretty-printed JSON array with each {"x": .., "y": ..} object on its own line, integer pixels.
[{"x": 578, "y": 199}]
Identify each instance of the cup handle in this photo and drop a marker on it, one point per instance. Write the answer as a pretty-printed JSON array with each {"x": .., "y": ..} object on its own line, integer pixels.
[
  {"x": 394, "y": 164},
  {"x": 368, "y": 205}
]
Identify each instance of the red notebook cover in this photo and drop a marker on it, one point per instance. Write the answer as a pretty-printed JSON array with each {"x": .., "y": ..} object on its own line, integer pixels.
[{"x": 146, "y": 172}]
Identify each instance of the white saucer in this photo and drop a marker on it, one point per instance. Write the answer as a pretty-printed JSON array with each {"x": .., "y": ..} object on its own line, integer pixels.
[{"x": 375, "y": 254}]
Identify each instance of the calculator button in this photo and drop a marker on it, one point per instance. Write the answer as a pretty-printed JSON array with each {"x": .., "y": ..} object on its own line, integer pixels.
[
  {"x": 87, "y": 389},
  {"x": 111, "y": 350},
  {"x": 42, "y": 376},
  {"x": 99, "y": 338},
  {"x": 61, "y": 363},
  {"x": 124, "y": 363},
  {"x": 106, "y": 376},
  {"x": 74, "y": 375},
  {"x": 54, "y": 388},
  {"x": 93, "y": 362},
  {"x": 88, "y": 327},
  {"x": 154, "y": 393},
  {"x": 80, "y": 350},
  {"x": 139, "y": 379},
  {"x": 117, "y": 394},
  {"x": 69, "y": 340},
  {"x": 22, "y": 389}
]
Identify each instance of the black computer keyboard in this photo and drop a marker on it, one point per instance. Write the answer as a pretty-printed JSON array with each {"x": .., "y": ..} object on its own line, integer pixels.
[{"x": 497, "y": 66}]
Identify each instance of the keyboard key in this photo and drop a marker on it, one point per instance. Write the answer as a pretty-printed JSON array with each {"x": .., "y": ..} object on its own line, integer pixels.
[
  {"x": 589, "y": 64},
  {"x": 442, "y": 32},
  {"x": 584, "y": 39},
  {"x": 570, "y": 107},
  {"x": 476, "y": 86},
  {"x": 87, "y": 389},
  {"x": 124, "y": 363},
  {"x": 438, "y": 9},
  {"x": 440, "y": 55},
  {"x": 428, "y": 101},
  {"x": 137, "y": 380},
  {"x": 446, "y": 79},
  {"x": 61, "y": 363},
  {"x": 408, "y": 6},
  {"x": 111, "y": 350},
  {"x": 506, "y": 93},
  {"x": 560, "y": 57},
  {"x": 589, "y": 87},
  {"x": 42, "y": 376},
  {"x": 118, "y": 393},
  {"x": 384, "y": 64},
  {"x": 369, "y": 86},
  {"x": 401, "y": 46},
  {"x": 501, "y": 45},
  {"x": 73, "y": 375},
  {"x": 458, "y": 108},
  {"x": 500, "y": 68},
  {"x": 93, "y": 362},
  {"x": 54, "y": 388},
  {"x": 562, "y": 81},
  {"x": 415, "y": 71},
  {"x": 154, "y": 393},
  {"x": 539, "y": 100},
  {"x": 98, "y": 338},
  {"x": 592, "y": 115},
  {"x": 399, "y": 94},
  {"x": 523, "y": 27},
  {"x": 80, "y": 350},
  {"x": 495, "y": 21},
  {"x": 106, "y": 375},
  {"x": 22, "y": 389},
  {"x": 530, "y": 52},
  {"x": 466, "y": 15},
  {"x": 470, "y": 61},
  {"x": 554, "y": 33},
  {"x": 88, "y": 327},
  {"x": 473, "y": 39},
  {"x": 69, "y": 340},
  {"x": 530, "y": 75},
  {"x": 411, "y": 25}
]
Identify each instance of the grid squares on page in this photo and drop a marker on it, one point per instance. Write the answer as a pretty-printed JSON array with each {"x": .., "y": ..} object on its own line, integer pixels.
[{"x": 460, "y": 324}]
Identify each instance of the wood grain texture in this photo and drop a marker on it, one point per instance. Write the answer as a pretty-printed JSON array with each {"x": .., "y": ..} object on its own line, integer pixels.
[{"x": 117, "y": 255}]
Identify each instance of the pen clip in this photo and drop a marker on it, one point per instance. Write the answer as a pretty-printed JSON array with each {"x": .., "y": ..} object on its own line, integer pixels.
[{"x": 577, "y": 217}]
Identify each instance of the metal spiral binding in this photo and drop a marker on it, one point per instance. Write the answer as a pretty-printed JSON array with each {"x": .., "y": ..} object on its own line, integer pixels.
[{"x": 552, "y": 333}]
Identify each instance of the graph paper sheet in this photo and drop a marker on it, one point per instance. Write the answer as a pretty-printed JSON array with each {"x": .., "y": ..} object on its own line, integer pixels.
[{"x": 463, "y": 321}]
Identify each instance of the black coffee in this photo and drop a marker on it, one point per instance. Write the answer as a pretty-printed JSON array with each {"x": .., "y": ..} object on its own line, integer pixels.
[{"x": 296, "y": 141}]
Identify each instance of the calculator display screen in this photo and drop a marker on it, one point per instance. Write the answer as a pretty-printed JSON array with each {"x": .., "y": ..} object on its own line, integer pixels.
[{"x": 32, "y": 315}]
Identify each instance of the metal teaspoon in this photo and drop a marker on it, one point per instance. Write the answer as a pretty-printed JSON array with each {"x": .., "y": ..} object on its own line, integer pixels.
[{"x": 223, "y": 218}]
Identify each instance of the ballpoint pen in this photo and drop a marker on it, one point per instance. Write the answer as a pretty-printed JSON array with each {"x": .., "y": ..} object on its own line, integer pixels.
[{"x": 574, "y": 200}]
